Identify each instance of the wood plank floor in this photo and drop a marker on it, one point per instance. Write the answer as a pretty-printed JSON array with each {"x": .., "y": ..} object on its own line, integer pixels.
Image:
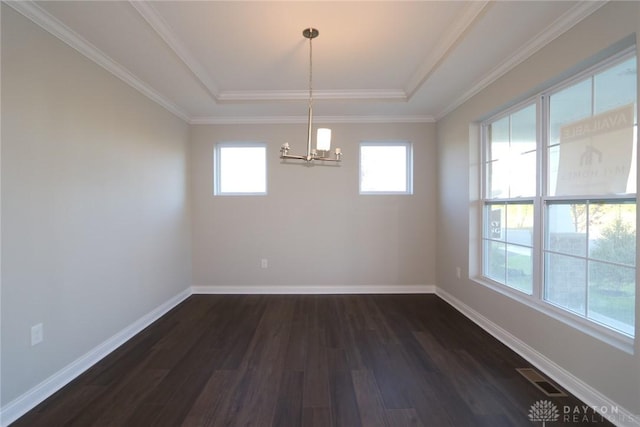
[{"x": 313, "y": 360}]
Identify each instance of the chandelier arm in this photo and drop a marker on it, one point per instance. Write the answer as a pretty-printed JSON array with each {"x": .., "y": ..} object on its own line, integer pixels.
[
  {"x": 293, "y": 156},
  {"x": 326, "y": 159}
]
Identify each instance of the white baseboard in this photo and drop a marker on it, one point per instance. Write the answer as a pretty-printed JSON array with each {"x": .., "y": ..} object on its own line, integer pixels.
[
  {"x": 316, "y": 289},
  {"x": 590, "y": 396},
  {"x": 29, "y": 400}
]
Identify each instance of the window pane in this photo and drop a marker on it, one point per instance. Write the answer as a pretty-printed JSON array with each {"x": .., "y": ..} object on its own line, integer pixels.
[
  {"x": 612, "y": 285},
  {"x": 511, "y": 157},
  {"x": 384, "y": 168},
  {"x": 567, "y": 229},
  {"x": 609, "y": 252},
  {"x": 567, "y": 106},
  {"x": 520, "y": 224},
  {"x": 523, "y": 153},
  {"x": 495, "y": 261},
  {"x": 593, "y": 126},
  {"x": 595, "y": 154},
  {"x": 566, "y": 282},
  {"x": 615, "y": 87},
  {"x": 520, "y": 268},
  {"x": 498, "y": 185},
  {"x": 495, "y": 223},
  {"x": 499, "y": 139},
  {"x": 523, "y": 175},
  {"x": 612, "y": 233},
  {"x": 523, "y": 129},
  {"x": 612, "y": 296},
  {"x": 242, "y": 169}
]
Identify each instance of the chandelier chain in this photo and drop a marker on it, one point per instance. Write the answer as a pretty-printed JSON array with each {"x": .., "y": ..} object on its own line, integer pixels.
[{"x": 310, "y": 71}]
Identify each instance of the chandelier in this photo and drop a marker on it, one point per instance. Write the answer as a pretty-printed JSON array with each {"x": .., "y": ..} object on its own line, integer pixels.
[{"x": 322, "y": 152}]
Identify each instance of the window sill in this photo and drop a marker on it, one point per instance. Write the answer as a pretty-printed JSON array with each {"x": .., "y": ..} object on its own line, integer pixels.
[{"x": 602, "y": 333}]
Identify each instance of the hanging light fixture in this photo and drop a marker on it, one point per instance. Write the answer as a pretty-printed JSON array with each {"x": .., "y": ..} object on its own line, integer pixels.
[{"x": 322, "y": 151}]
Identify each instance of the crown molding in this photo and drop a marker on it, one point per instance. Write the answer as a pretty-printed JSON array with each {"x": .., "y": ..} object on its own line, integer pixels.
[
  {"x": 446, "y": 44},
  {"x": 390, "y": 95},
  {"x": 44, "y": 20},
  {"x": 160, "y": 26},
  {"x": 281, "y": 120},
  {"x": 558, "y": 27}
]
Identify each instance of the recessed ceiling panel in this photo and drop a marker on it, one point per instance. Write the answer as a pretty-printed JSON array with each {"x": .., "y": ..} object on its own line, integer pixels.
[{"x": 258, "y": 46}]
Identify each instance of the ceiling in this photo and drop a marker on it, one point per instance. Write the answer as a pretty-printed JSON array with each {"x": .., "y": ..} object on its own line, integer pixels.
[{"x": 248, "y": 62}]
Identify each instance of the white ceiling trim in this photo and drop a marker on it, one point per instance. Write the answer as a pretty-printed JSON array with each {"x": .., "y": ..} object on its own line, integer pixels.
[
  {"x": 43, "y": 19},
  {"x": 446, "y": 43},
  {"x": 558, "y": 27},
  {"x": 303, "y": 95},
  {"x": 160, "y": 26},
  {"x": 280, "y": 120}
]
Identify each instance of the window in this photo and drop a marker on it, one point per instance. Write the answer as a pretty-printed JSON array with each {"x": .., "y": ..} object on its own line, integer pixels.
[
  {"x": 386, "y": 168},
  {"x": 240, "y": 168},
  {"x": 510, "y": 192},
  {"x": 559, "y": 199}
]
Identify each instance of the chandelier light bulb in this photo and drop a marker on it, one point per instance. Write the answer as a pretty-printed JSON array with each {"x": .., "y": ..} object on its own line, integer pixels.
[{"x": 323, "y": 139}]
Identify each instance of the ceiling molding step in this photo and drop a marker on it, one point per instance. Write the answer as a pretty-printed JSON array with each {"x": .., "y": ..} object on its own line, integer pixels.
[
  {"x": 558, "y": 27},
  {"x": 374, "y": 119},
  {"x": 446, "y": 43},
  {"x": 280, "y": 120},
  {"x": 44, "y": 20},
  {"x": 164, "y": 31},
  {"x": 303, "y": 95}
]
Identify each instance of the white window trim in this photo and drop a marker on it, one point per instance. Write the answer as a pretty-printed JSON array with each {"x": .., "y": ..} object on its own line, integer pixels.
[
  {"x": 536, "y": 301},
  {"x": 409, "y": 167},
  {"x": 216, "y": 168}
]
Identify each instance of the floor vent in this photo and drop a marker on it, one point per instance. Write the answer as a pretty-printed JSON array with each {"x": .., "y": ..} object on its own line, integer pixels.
[{"x": 541, "y": 382}]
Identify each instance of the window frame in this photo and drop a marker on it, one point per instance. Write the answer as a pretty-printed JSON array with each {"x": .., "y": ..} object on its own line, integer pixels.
[
  {"x": 587, "y": 257},
  {"x": 408, "y": 167},
  {"x": 541, "y": 201},
  {"x": 217, "y": 191}
]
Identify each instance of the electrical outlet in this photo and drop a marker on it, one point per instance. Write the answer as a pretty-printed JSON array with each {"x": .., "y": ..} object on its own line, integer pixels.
[
  {"x": 458, "y": 272},
  {"x": 264, "y": 263},
  {"x": 37, "y": 334}
]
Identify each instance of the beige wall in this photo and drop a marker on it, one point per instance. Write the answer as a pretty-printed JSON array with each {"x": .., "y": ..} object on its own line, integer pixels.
[
  {"x": 612, "y": 372},
  {"x": 95, "y": 221},
  {"x": 313, "y": 227}
]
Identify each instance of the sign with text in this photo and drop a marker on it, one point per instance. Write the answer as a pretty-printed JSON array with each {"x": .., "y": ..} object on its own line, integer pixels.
[{"x": 596, "y": 154}]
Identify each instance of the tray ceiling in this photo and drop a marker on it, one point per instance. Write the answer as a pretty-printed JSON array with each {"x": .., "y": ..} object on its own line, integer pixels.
[{"x": 247, "y": 62}]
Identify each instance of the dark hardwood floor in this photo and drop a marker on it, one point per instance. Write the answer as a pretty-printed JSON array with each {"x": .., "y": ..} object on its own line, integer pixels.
[{"x": 316, "y": 360}]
